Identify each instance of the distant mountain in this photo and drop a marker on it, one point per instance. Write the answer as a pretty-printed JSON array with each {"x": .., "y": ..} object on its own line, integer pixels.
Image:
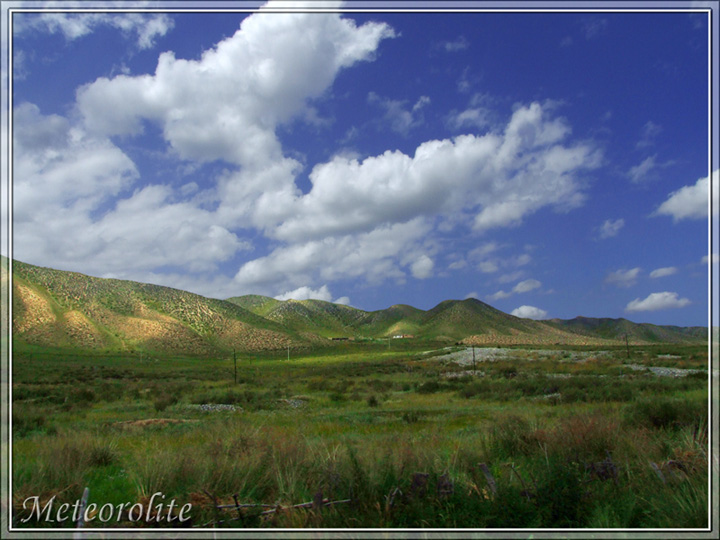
[
  {"x": 68, "y": 309},
  {"x": 619, "y": 328},
  {"x": 468, "y": 321}
]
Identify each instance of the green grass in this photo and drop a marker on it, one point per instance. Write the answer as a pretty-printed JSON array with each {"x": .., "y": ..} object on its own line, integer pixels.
[{"x": 358, "y": 421}]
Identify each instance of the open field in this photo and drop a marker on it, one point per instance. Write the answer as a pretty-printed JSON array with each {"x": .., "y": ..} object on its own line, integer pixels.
[{"x": 412, "y": 434}]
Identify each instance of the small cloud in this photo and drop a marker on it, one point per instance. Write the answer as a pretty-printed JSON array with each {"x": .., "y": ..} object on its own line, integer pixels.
[
  {"x": 397, "y": 115},
  {"x": 643, "y": 171},
  {"x": 477, "y": 117},
  {"x": 420, "y": 103},
  {"x": 306, "y": 293},
  {"x": 459, "y": 44},
  {"x": 499, "y": 295},
  {"x": 422, "y": 268},
  {"x": 638, "y": 172},
  {"x": 611, "y": 228},
  {"x": 144, "y": 28},
  {"x": 488, "y": 267},
  {"x": 527, "y": 285},
  {"x": 623, "y": 278},
  {"x": 522, "y": 287},
  {"x": 592, "y": 28},
  {"x": 566, "y": 41},
  {"x": 715, "y": 259},
  {"x": 529, "y": 312},
  {"x": 344, "y": 300},
  {"x": 471, "y": 295},
  {"x": 650, "y": 131},
  {"x": 657, "y": 301},
  {"x": 513, "y": 276},
  {"x": 662, "y": 272}
]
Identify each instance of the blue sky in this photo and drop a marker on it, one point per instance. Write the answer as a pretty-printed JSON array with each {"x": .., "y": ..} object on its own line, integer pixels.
[{"x": 549, "y": 164}]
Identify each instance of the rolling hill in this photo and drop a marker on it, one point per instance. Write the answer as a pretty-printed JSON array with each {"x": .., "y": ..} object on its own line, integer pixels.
[{"x": 68, "y": 309}]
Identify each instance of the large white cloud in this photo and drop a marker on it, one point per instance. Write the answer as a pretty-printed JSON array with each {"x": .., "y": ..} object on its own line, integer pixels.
[
  {"x": 372, "y": 218},
  {"x": 65, "y": 212},
  {"x": 657, "y": 301},
  {"x": 691, "y": 202},
  {"x": 384, "y": 253},
  {"x": 227, "y": 104},
  {"x": 496, "y": 179}
]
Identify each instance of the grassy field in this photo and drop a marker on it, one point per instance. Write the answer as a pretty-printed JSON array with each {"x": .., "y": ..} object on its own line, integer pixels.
[{"x": 403, "y": 434}]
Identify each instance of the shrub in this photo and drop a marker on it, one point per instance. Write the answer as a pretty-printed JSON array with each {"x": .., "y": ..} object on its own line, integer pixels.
[
  {"x": 664, "y": 412},
  {"x": 163, "y": 401},
  {"x": 372, "y": 401}
]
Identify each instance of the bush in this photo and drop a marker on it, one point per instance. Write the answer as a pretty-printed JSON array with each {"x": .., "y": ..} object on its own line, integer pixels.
[
  {"x": 665, "y": 412},
  {"x": 163, "y": 401},
  {"x": 372, "y": 401}
]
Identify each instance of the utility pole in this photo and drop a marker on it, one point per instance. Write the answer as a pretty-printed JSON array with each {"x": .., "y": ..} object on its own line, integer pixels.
[{"x": 235, "y": 364}]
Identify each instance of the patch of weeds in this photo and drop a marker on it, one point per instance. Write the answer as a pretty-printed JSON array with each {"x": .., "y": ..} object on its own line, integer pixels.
[
  {"x": 664, "y": 412},
  {"x": 163, "y": 401},
  {"x": 429, "y": 387},
  {"x": 27, "y": 419},
  {"x": 412, "y": 417}
]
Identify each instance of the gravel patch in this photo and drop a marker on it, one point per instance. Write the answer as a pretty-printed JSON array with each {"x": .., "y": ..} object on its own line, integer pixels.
[
  {"x": 214, "y": 407},
  {"x": 492, "y": 354},
  {"x": 458, "y": 374},
  {"x": 664, "y": 371},
  {"x": 293, "y": 403}
]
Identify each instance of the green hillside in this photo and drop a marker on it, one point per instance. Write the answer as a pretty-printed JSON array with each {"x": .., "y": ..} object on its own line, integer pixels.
[
  {"x": 52, "y": 307},
  {"x": 260, "y": 305},
  {"x": 68, "y": 309}
]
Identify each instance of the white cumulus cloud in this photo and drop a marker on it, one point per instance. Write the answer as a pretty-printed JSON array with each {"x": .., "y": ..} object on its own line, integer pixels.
[
  {"x": 529, "y": 312},
  {"x": 657, "y": 301},
  {"x": 307, "y": 293},
  {"x": 422, "y": 268},
  {"x": 691, "y": 202}
]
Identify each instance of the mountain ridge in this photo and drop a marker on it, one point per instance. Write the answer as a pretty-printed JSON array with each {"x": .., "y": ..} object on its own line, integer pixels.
[{"x": 70, "y": 309}]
